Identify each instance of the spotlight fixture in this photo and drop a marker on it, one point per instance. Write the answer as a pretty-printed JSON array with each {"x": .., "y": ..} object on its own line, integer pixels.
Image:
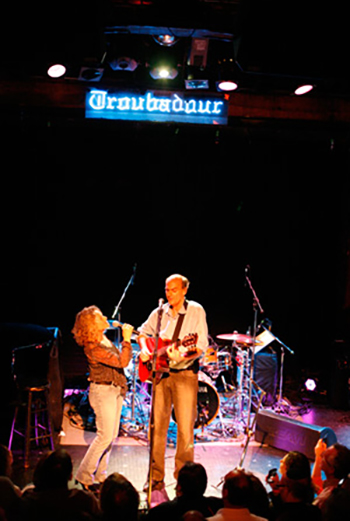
[
  {"x": 226, "y": 85},
  {"x": 193, "y": 84},
  {"x": 166, "y": 40},
  {"x": 56, "y": 71},
  {"x": 303, "y": 89},
  {"x": 90, "y": 73},
  {"x": 123, "y": 64},
  {"x": 163, "y": 73},
  {"x": 310, "y": 384}
]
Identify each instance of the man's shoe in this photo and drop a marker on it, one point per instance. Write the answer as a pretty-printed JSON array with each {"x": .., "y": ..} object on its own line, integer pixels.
[
  {"x": 156, "y": 485},
  {"x": 95, "y": 487}
]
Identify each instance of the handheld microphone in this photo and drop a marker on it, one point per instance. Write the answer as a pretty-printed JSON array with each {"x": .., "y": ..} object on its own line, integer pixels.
[{"x": 115, "y": 324}]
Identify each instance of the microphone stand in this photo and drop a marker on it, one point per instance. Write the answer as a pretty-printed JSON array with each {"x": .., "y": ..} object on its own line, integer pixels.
[
  {"x": 116, "y": 312},
  {"x": 151, "y": 420},
  {"x": 256, "y": 307},
  {"x": 118, "y": 306}
]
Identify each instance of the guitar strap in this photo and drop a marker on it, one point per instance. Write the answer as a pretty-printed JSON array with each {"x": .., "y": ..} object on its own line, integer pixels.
[
  {"x": 179, "y": 322},
  {"x": 195, "y": 366}
]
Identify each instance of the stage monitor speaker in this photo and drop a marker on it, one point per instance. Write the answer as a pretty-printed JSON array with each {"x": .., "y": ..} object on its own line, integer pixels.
[{"x": 287, "y": 434}]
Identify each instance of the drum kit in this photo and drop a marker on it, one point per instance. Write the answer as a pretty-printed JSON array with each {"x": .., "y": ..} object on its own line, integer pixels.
[{"x": 223, "y": 389}]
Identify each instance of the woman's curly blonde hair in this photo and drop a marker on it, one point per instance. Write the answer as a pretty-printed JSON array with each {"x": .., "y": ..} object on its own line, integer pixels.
[{"x": 84, "y": 329}]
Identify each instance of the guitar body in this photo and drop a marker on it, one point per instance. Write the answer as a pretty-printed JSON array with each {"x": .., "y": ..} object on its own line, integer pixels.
[
  {"x": 162, "y": 362},
  {"x": 162, "y": 365}
]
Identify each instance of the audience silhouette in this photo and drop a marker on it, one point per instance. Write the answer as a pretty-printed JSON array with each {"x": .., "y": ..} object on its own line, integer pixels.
[
  {"x": 119, "y": 499},
  {"x": 244, "y": 496},
  {"x": 9, "y": 492},
  {"x": 190, "y": 488},
  {"x": 50, "y": 496},
  {"x": 334, "y": 463}
]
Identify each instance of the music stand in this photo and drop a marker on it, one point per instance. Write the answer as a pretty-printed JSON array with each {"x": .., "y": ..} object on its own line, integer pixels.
[{"x": 281, "y": 406}]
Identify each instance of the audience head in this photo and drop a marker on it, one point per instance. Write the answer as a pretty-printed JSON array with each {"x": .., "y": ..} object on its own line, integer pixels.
[
  {"x": 193, "y": 515},
  {"x": 259, "y": 503},
  {"x": 336, "y": 461},
  {"x": 243, "y": 489},
  {"x": 296, "y": 484},
  {"x": 119, "y": 499},
  {"x": 295, "y": 465},
  {"x": 337, "y": 505},
  {"x": 53, "y": 470},
  {"x": 296, "y": 490},
  {"x": 237, "y": 489},
  {"x": 192, "y": 480},
  {"x": 5, "y": 461}
]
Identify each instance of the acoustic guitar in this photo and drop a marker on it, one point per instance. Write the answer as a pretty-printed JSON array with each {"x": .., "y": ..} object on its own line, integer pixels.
[{"x": 186, "y": 346}]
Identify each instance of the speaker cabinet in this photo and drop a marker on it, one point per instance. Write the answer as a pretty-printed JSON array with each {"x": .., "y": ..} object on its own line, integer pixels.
[
  {"x": 287, "y": 434},
  {"x": 265, "y": 375}
]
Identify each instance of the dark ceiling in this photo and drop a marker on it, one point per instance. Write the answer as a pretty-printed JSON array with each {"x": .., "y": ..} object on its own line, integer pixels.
[
  {"x": 270, "y": 189},
  {"x": 272, "y": 44}
]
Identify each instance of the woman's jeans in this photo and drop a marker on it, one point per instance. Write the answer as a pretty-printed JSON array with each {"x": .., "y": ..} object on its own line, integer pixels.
[{"x": 107, "y": 402}]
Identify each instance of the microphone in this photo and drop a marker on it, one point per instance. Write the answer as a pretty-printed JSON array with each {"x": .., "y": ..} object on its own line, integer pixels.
[
  {"x": 161, "y": 303},
  {"x": 115, "y": 324}
]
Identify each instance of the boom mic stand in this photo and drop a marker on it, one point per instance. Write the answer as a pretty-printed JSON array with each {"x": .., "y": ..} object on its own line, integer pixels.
[
  {"x": 256, "y": 307},
  {"x": 117, "y": 313},
  {"x": 151, "y": 420}
]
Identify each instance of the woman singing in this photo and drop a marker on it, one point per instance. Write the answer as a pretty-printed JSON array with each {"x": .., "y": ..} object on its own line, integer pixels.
[{"x": 108, "y": 387}]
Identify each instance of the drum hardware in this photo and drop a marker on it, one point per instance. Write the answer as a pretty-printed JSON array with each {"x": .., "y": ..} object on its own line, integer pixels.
[
  {"x": 135, "y": 400},
  {"x": 215, "y": 360},
  {"x": 251, "y": 428},
  {"x": 249, "y": 432},
  {"x": 239, "y": 339},
  {"x": 256, "y": 308}
]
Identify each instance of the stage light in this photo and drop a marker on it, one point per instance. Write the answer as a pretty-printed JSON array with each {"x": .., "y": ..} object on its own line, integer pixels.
[
  {"x": 123, "y": 64},
  {"x": 90, "y": 73},
  {"x": 56, "y": 71},
  {"x": 166, "y": 40},
  {"x": 192, "y": 84},
  {"x": 163, "y": 73},
  {"x": 226, "y": 85},
  {"x": 303, "y": 89},
  {"x": 310, "y": 384}
]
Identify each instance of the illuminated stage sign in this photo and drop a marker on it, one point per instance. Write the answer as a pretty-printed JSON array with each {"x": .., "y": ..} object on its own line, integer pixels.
[{"x": 169, "y": 106}]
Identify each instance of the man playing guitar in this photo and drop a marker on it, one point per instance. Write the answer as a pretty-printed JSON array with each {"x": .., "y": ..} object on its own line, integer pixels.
[{"x": 178, "y": 379}]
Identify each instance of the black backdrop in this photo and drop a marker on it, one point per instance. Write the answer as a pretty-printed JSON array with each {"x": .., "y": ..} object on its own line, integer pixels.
[{"x": 82, "y": 203}]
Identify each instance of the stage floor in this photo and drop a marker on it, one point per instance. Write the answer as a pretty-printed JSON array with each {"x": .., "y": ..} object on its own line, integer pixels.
[{"x": 220, "y": 445}]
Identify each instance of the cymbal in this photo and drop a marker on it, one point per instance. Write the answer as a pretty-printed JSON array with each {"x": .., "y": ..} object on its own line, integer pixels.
[{"x": 238, "y": 338}]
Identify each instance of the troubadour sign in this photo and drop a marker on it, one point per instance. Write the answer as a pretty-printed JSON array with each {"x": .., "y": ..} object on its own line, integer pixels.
[{"x": 157, "y": 106}]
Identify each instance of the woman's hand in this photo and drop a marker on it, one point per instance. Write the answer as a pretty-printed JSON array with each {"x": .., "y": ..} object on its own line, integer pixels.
[{"x": 127, "y": 331}]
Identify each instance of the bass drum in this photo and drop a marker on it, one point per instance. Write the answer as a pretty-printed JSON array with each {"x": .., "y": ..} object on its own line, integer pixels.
[{"x": 208, "y": 402}]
